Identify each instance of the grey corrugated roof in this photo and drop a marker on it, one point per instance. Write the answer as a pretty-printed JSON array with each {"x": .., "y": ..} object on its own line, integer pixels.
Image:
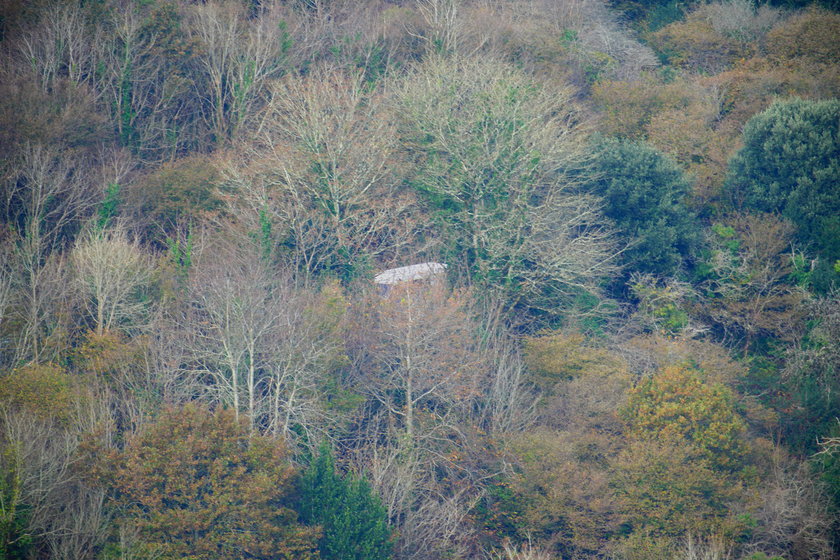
[{"x": 409, "y": 273}]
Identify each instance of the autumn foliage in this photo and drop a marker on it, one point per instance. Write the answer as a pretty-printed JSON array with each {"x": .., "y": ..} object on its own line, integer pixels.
[
  {"x": 628, "y": 348},
  {"x": 193, "y": 484}
]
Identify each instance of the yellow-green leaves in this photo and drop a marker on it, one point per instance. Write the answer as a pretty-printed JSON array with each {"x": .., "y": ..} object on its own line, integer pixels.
[{"x": 677, "y": 405}]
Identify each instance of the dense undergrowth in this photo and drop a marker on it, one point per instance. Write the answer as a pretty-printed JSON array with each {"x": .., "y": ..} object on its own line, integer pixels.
[{"x": 633, "y": 354}]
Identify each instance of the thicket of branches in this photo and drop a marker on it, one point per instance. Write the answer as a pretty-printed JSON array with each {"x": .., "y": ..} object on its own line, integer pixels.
[{"x": 633, "y": 353}]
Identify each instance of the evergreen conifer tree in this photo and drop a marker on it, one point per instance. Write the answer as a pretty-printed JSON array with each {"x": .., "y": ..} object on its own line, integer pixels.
[{"x": 354, "y": 522}]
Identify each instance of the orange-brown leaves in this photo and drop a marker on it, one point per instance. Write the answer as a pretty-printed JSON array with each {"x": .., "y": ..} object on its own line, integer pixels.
[
  {"x": 196, "y": 485},
  {"x": 666, "y": 491},
  {"x": 556, "y": 357},
  {"x": 694, "y": 43},
  {"x": 108, "y": 353},
  {"x": 811, "y": 35},
  {"x": 563, "y": 489},
  {"x": 184, "y": 190},
  {"x": 44, "y": 390}
]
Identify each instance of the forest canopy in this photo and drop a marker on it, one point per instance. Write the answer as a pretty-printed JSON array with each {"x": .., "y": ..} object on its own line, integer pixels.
[{"x": 627, "y": 346}]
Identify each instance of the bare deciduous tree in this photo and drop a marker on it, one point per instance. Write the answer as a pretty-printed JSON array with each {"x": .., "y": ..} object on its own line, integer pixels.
[
  {"x": 62, "y": 44},
  {"x": 264, "y": 346},
  {"x": 742, "y": 20},
  {"x": 39, "y": 438},
  {"x": 111, "y": 271},
  {"x": 234, "y": 313},
  {"x": 793, "y": 516},
  {"x": 815, "y": 359},
  {"x": 442, "y": 19},
  {"x": 146, "y": 79},
  {"x": 750, "y": 295},
  {"x": 240, "y": 55},
  {"x": 527, "y": 551},
  {"x": 302, "y": 358},
  {"x": 508, "y": 403},
  {"x": 417, "y": 361},
  {"x": 830, "y": 445},
  {"x": 420, "y": 358},
  {"x": 427, "y": 497},
  {"x": 497, "y": 158},
  {"x": 330, "y": 165},
  {"x": 46, "y": 195},
  {"x": 704, "y": 549},
  {"x": 6, "y": 294},
  {"x": 545, "y": 36}
]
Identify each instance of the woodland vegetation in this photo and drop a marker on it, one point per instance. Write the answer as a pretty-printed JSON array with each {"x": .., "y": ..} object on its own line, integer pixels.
[{"x": 635, "y": 353}]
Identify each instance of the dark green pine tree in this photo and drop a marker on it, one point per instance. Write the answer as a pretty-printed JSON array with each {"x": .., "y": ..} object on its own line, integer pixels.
[{"x": 354, "y": 522}]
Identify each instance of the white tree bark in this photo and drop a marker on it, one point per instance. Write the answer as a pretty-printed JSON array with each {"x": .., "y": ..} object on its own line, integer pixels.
[{"x": 111, "y": 272}]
